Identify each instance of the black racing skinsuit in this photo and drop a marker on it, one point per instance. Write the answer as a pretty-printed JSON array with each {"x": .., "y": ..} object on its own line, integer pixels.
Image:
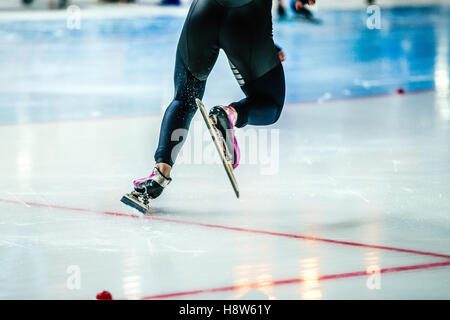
[{"x": 243, "y": 29}]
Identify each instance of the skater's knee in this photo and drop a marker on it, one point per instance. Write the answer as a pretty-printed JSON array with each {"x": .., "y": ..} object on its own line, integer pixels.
[
  {"x": 183, "y": 105},
  {"x": 278, "y": 103},
  {"x": 275, "y": 113},
  {"x": 260, "y": 113}
]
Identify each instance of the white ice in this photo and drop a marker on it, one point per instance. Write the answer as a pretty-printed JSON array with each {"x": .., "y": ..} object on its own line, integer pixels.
[{"x": 373, "y": 171}]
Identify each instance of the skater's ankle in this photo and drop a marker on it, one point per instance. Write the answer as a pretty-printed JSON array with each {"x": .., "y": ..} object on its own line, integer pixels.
[
  {"x": 164, "y": 168},
  {"x": 234, "y": 112}
]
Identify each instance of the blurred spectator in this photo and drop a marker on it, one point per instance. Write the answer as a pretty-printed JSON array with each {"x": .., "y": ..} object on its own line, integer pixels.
[
  {"x": 301, "y": 12},
  {"x": 122, "y": 1},
  {"x": 59, "y": 4},
  {"x": 170, "y": 2}
]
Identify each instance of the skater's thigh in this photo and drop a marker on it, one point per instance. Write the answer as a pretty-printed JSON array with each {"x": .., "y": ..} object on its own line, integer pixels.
[
  {"x": 198, "y": 45},
  {"x": 264, "y": 101},
  {"x": 246, "y": 38},
  {"x": 269, "y": 89}
]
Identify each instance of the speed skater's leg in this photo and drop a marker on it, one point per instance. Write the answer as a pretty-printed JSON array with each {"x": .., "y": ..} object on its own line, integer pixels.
[
  {"x": 174, "y": 129},
  {"x": 262, "y": 106},
  {"x": 179, "y": 113},
  {"x": 264, "y": 99}
]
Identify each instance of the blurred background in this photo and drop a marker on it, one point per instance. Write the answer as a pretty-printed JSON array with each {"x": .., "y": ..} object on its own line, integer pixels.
[{"x": 79, "y": 59}]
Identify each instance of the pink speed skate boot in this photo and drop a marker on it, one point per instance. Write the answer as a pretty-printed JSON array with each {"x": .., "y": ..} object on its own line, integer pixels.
[
  {"x": 224, "y": 119},
  {"x": 145, "y": 189}
]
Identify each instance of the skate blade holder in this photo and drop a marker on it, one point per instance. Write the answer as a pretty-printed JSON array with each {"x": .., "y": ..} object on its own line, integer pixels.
[
  {"x": 223, "y": 146},
  {"x": 131, "y": 200}
]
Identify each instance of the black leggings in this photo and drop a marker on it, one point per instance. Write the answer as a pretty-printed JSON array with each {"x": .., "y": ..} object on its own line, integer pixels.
[
  {"x": 262, "y": 106},
  {"x": 243, "y": 29}
]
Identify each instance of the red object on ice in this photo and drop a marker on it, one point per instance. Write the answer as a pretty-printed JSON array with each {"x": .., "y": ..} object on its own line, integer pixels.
[
  {"x": 400, "y": 91},
  {"x": 104, "y": 295}
]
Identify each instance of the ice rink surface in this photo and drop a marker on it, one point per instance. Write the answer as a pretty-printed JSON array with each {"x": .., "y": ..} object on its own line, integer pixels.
[{"x": 353, "y": 179}]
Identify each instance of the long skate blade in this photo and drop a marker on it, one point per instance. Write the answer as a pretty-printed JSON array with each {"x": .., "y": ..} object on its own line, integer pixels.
[
  {"x": 228, "y": 166},
  {"x": 133, "y": 202}
]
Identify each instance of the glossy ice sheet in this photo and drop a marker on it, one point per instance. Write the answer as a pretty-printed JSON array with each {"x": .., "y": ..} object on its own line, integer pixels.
[
  {"x": 372, "y": 171},
  {"x": 349, "y": 185}
]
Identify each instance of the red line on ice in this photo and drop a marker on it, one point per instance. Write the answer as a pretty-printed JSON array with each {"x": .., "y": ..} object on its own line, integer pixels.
[
  {"x": 297, "y": 280},
  {"x": 215, "y": 226}
]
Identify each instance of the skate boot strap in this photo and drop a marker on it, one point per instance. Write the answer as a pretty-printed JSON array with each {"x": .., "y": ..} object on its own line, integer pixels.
[
  {"x": 232, "y": 115},
  {"x": 156, "y": 176}
]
